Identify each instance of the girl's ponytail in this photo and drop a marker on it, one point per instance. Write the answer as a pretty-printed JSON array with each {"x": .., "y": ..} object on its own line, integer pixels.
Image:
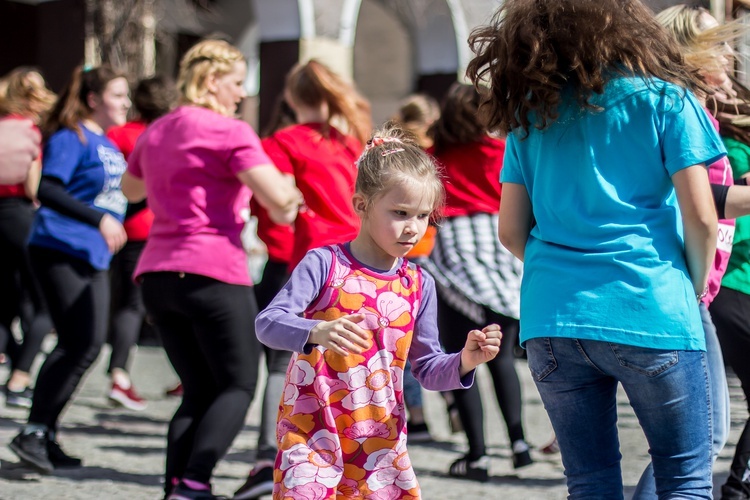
[{"x": 313, "y": 83}]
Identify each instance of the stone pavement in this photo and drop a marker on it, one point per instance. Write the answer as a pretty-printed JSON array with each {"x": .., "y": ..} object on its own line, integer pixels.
[{"x": 123, "y": 450}]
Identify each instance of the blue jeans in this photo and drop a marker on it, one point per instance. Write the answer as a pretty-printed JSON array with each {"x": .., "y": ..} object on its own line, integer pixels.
[
  {"x": 412, "y": 389},
  {"x": 668, "y": 390},
  {"x": 720, "y": 418}
]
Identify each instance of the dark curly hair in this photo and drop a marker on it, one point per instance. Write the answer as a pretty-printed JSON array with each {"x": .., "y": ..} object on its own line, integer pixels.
[{"x": 533, "y": 49}]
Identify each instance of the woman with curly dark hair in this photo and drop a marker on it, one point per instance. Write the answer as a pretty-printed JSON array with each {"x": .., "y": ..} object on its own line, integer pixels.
[{"x": 607, "y": 201}]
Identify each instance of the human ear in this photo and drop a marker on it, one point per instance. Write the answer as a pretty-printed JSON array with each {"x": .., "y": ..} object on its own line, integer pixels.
[
  {"x": 360, "y": 204},
  {"x": 92, "y": 100},
  {"x": 211, "y": 84}
]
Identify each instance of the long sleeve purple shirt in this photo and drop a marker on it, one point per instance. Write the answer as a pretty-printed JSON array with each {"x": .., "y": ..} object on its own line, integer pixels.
[{"x": 281, "y": 325}]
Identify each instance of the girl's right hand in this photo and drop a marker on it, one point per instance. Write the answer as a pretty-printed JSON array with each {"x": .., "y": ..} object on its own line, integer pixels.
[
  {"x": 113, "y": 233},
  {"x": 342, "y": 335}
]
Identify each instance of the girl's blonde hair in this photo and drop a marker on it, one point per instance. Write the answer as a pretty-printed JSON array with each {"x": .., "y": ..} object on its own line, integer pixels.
[
  {"x": 24, "y": 92},
  {"x": 313, "y": 83},
  {"x": 702, "y": 47},
  {"x": 205, "y": 59},
  {"x": 392, "y": 156}
]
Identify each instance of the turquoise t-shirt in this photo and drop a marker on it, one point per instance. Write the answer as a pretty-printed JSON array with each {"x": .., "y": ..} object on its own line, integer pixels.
[{"x": 605, "y": 260}]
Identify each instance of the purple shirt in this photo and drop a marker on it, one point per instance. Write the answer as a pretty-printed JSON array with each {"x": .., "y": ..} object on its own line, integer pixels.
[
  {"x": 189, "y": 161},
  {"x": 280, "y": 325}
]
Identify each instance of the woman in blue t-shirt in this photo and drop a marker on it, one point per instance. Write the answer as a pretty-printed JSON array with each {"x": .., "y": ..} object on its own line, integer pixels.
[
  {"x": 607, "y": 200},
  {"x": 74, "y": 235}
]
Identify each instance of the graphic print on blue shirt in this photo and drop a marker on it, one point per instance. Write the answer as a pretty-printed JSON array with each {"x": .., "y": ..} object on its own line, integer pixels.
[
  {"x": 91, "y": 172},
  {"x": 111, "y": 198}
]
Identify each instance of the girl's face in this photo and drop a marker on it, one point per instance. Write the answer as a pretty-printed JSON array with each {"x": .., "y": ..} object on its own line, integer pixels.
[
  {"x": 228, "y": 89},
  {"x": 716, "y": 76},
  {"x": 393, "y": 223},
  {"x": 111, "y": 107}
]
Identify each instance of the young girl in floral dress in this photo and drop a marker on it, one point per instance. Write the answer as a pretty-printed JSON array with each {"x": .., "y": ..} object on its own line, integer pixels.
[{"x": 354, "y": 313}]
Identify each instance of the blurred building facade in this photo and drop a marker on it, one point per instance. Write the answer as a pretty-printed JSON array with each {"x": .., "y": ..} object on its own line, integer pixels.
[{"x": 390, "y": 48}]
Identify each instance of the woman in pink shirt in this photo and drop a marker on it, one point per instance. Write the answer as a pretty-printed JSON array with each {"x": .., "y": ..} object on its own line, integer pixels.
[{"x": 196, "y": 165}]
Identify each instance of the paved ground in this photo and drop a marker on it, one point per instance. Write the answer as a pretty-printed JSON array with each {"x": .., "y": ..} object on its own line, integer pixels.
[{"x": 123, "y": 450}]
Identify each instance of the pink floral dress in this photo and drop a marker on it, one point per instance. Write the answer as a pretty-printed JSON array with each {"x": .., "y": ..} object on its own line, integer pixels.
[{"x": 341, "y": 424}]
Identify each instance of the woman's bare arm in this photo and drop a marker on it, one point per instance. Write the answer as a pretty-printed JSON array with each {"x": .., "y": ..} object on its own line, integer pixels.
[
  {"x": 516, "y": 218},
  {"x": 274, "y": 191},
  {"x": 699, "y": 221}
]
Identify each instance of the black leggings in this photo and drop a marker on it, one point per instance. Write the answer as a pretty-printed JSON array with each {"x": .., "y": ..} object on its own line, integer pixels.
[
  {"x": 275, "y": 276},
  {"x": 454, "y": 326},
  {"x": 20, "y": 295},
  {"x": 730, "y": 311},
  {"x": 78, "y": 299},
  {"x": 207, "y": 328},
  {"x": 127, "y": 310}
]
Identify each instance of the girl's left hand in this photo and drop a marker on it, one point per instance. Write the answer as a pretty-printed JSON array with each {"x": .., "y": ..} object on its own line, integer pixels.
[{"x": 481, "y": 347}]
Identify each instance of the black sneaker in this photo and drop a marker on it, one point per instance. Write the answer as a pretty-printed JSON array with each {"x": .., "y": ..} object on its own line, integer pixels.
[
  {"x": 32, "y": 450},
  {"x": 19, "y": 399},
  {"x": 60, "y": 459},
  {"x": 183, "y": 492},
  {"x": 259, "y": 482},
  {"x": 474, "y": 470},
  {"x": 521, "y": 455},
  {"x": 418, "y": 433},
  {"x": 728, "y": 492}
]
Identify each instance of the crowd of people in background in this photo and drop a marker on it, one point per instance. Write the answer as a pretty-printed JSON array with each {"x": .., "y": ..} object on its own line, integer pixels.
[{"x": 567, "y": 200}]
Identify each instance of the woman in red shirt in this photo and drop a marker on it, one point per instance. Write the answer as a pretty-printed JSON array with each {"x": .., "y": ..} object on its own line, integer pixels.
[
  {"x": 321, "y": 151},
  {"x": 477, "y": 279},
  {"x": 24, "y": 96}
]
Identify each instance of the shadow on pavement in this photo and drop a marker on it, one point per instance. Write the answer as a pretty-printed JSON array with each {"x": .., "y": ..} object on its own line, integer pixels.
[
  {"x": 14, "y": 471},
  {"x": 136, "y": 450},
  {"x": 116, "y": 476},
  {"x": 103, "y": 430},
  {"x": 507, "y": 480}
]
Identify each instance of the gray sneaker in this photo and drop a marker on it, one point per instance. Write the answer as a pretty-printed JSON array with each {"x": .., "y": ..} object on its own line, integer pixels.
[{"x": 19, "y": 399}]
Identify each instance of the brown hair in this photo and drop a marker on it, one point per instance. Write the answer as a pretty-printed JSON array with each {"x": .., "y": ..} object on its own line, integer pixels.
[
  {"x": 313, "y": 83},
  {"x": 393, "y": 156},
  {"x": 417, "y": 114},
  {"x": 282, "y": 116},
  {"x": 154, "y": 97},
  {"x": 533, "y": 49},
  {"x": 461, "y": 120},
  {"x": 72, "y": 105},
  {"x": 24, "y": 92}
]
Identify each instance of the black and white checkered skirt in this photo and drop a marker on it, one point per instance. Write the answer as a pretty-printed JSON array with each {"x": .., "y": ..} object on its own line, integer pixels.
[{"x": 472, "y": 270}]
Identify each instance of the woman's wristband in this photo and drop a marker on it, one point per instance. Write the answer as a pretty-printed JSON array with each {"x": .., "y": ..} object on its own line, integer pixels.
[{"x": 702, "y": 295}]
